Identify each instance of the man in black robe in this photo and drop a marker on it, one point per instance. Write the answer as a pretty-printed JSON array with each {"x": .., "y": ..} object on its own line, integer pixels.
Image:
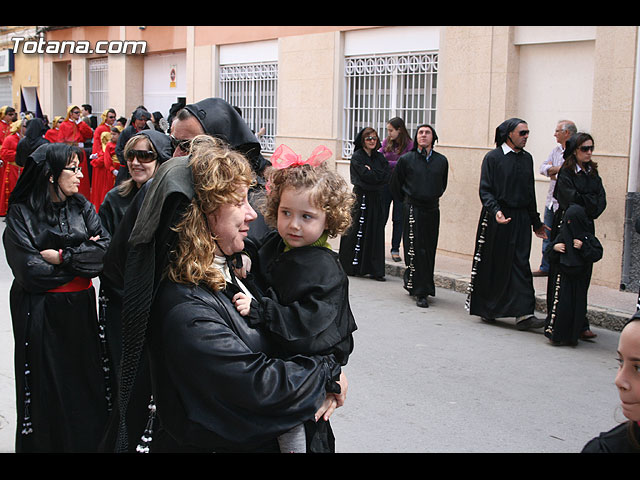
[
  {"x": 420, "y": 179},
  {"x": 501, "y": 280}
]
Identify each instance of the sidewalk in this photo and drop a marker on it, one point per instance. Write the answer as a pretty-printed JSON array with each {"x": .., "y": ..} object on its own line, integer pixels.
[{"x": 607, "y": 307}]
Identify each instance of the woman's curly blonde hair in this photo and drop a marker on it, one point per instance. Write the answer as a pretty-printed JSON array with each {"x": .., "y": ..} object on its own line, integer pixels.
[
  {"x": 328, "y": 191},
  {"x": 218, "y": 175}
]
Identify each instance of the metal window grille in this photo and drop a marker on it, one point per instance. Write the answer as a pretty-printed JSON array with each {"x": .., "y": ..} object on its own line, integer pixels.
[
  {"x": 254, "y": 89},
  {"x": 98, "y": 85},
  {"x": 69, "y": 90},
  {"x": 380, "y": 87}
]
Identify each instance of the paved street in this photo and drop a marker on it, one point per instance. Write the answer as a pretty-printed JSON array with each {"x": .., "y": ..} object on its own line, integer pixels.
[{"x": 438, "y": 380}]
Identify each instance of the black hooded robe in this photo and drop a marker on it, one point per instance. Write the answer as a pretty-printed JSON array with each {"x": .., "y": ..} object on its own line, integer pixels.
[
  {"x": 33, "y": 138},
  {"x": 582, "y": 199},
  {"x": 501, "y": 283},
  {"x": 61, "y": 392},
  {"x": 362, "y": 248},
  {"x": 420, "y": 182}
]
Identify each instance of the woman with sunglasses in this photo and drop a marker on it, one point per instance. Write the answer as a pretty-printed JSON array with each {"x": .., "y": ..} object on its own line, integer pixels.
[
  {"x": 362, "y": 248},
  {"x": 55, "y": 244},
  {"x": 574, "y": 247},
  {"x": 144, "y": 152}
]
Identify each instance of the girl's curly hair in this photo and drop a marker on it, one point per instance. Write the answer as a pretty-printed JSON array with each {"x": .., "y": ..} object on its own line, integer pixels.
[{"x": 329, "y": 191}]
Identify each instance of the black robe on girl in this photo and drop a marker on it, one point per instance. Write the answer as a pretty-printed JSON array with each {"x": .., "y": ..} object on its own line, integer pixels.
[
  {"x": 362, "y": 248},
  {"x": 581, "y": 198},
  {"x": 420, "y": 180},
  {"x": 305, "y": 301}
]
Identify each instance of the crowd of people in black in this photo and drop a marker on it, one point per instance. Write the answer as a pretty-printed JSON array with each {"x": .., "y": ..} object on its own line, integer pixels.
[{"x": 223, "y": 322}]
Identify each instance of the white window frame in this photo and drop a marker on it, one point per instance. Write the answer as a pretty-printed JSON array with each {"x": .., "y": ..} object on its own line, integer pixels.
[
  {"x": 378, "y": 87},
  {"x": 253, "y": 87}
]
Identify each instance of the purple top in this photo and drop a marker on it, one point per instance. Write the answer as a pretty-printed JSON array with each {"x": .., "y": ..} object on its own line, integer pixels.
[{"x": 392, "y": 157}]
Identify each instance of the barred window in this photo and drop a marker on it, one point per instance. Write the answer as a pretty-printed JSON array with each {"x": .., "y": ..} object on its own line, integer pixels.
[
  {"x": 98, "y": 85},
  {"x": 380, "y": 87},
  {"x": 254, "y": 89}
]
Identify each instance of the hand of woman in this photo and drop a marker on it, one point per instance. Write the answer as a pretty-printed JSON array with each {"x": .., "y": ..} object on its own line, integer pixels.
[
  {"x": 327, "y": 408},
  {"x": 51, "y": 256},
  {"x": 559, "y": 247},
  {"x": 577, "y": 243},
  {"x": 344, "y": 386}
]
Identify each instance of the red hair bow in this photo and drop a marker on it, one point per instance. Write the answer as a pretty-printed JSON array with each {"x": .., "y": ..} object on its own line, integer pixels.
[{"x": 284, "y": 157}]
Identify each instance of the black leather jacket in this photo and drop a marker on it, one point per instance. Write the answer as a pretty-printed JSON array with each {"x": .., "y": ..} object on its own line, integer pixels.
[
  {"x": 25, "y": 236},
  {"x": 215, "y": 383}
]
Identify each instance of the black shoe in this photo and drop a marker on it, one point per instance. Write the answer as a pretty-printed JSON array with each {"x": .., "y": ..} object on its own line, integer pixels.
[
  {"x": 421, "y": 301},
  {"x": 379, "y": 279},
  {"x": 530, "y": 322},
  {"x": 395, "y": 256},
  {"x": 488, "y": 320}
]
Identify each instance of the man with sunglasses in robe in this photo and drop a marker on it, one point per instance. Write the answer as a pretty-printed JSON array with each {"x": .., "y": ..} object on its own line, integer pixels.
[{"x": 501, "y": 280}]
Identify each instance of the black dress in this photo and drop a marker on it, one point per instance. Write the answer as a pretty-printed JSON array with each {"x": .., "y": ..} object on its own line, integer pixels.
[
  {"x": 362, "y": 248},
  {"x": 582, "y": 199},
  {"x": 61, "y": 388},
  {"x": 420, "y": 180},
  {"x": 501, "y": 281}
]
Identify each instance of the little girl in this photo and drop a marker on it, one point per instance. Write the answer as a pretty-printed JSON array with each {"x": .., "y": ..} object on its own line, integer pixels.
[
  {"x": 105, "y": 167},
  {"x": 306, "y": 301}
]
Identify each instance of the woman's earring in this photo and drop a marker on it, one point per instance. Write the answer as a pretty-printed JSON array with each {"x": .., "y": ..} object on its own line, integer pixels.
[{"x": 50, "y": 179}]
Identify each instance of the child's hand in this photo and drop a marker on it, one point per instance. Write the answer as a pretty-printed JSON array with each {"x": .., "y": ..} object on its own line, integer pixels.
[
  {"x": 242, "y": 303},
  {"x": 559, "y": 247},
  {"x": 246, "y": 267}
]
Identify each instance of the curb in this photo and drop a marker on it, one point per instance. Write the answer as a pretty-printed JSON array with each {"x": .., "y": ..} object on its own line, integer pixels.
[{"x": 598, "y": 316}]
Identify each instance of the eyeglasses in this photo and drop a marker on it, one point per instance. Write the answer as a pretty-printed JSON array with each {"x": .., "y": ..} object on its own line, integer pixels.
[
  {"x": 522, "y": 133},
  {"x": 75, "y": 170},
  {"x": 75, "y": 112},
  {"x": 586, "y": 148},
  {"x": 184, "y": 145},
  {"x": 143, "y": 156},
  {"x": 371, "y": 138}
]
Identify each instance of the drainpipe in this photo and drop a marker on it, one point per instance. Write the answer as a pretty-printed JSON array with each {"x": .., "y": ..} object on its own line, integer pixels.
[{"x": 632, "y": 184}]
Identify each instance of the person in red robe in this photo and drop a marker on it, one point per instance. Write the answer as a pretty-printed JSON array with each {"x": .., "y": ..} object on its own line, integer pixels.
[
  {"x": 97, "y": 154},
  {"x": 12, "y": 169},
  {"x": 105, "y": 168},
  {"x": 73, "y": 131},
  {"x": 54, "y": 132},
  {"x": 7, "y": 116}
]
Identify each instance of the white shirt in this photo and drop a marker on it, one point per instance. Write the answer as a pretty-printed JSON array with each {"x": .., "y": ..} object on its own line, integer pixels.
[{"x": 555, "y": 159}]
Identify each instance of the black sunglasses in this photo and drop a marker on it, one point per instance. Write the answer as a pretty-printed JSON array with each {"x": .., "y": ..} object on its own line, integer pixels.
[
  {"x": 523, "y": 132},
  {"x": 586, "y": 148},
  {"x": 184, "y": 145},
  {"x": 143, "y": 156}
]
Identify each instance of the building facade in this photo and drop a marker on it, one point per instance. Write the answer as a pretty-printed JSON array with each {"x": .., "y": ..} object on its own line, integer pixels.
[{"x": 310, "y": 85}]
